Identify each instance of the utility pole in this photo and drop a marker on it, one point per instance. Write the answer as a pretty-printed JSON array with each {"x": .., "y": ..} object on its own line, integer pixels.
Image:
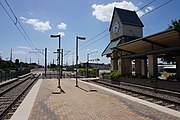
[
  {"x": 66, "y": 57},
  {"x": 30, "y": 60},
  {"x": 38, "y": 62},
  {"x": 73, "y": 61},
  {"x": 11, "y": 55}
]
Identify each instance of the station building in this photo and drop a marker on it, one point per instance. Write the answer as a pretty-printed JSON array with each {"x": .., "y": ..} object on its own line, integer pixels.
[{"x": 127, "y": 43}]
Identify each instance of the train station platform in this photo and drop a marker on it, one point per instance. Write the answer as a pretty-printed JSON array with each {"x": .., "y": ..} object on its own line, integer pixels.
[{"x": 86, "y": 102}]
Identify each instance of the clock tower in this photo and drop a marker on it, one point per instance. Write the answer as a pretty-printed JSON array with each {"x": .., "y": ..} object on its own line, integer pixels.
[{"x": 124, "y": 27}]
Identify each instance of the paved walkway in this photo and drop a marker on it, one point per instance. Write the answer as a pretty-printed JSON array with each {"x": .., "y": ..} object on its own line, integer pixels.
[{"x": 87, "y": 103}]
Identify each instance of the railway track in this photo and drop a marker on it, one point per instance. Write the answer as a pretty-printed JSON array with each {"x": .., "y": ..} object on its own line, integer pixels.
[
  {"x": 175, "y": 105},
  {"x": 12, "y": 94}
]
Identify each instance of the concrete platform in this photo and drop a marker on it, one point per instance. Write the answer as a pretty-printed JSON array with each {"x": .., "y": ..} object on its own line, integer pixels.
[{"x": 86, "y": 102}]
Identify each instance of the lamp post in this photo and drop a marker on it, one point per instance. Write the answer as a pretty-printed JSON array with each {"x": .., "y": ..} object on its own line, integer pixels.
[
  {"x": 61, "y": 63},
  {"x": 58, "y": 50},
  {"x": 87, "y": 67},
  {"x": 80, "y": 38}
]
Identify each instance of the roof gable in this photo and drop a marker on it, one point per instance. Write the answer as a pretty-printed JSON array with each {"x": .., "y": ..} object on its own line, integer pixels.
[{"x": 127, "y": 17}]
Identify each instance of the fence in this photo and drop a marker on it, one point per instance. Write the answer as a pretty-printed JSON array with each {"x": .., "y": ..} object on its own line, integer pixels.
[{"x": 7, "y": 76}]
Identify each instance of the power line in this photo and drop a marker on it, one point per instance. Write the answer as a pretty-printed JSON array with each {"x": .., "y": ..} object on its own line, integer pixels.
[
  {"x": 108, "y": 28},
  {"x": 22, "y": 30},
  {"x": 136, "y": 11},
  {"x": 104, "y": 32},
  {"x": 118, "y": 23},
  {"x": 158, "y": 7},
  {"x": 94, "y": 37},
  {"x": 95, "y": 41},
  {"x": 146, "y": 5},
  {"x": 15, "y": 23}
]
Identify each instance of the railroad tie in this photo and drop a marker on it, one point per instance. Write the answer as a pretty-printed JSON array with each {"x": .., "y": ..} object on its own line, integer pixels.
[
  {"x": 170, "y": 106},
  {"x": 158, "y": 102}
]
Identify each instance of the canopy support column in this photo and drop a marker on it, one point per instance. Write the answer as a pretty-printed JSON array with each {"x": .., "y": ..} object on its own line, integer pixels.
[{"x": 153, "y": 67}]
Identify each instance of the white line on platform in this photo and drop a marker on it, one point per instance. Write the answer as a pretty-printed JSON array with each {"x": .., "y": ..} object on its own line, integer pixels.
[
  {"x": 24, "y": 110},
  {"x": 149, "y": 104}
]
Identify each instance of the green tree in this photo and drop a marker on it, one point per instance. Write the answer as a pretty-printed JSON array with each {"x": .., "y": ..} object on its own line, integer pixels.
[
  {"x": 169, "y": 58},
  {"x": 175, "y": 24}
]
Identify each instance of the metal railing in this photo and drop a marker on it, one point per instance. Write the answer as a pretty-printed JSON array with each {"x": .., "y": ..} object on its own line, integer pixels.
[{"x": 6, "y": 76}]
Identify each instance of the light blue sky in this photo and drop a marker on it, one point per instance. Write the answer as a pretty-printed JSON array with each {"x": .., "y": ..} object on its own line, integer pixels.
[{"x": 40, "y": 18}]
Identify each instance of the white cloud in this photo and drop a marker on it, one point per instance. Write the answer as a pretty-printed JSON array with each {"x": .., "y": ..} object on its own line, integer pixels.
[
  {"x": 104, "y": 12},
  {"x": 37, "y": 24},
  {"x": 19, "y": 52},
  {"x": 23, "y": 47},
  {"x": 62, "y": 26},
  {"x": 61, "y": 33},
  {"x": 23, "y": 18}
]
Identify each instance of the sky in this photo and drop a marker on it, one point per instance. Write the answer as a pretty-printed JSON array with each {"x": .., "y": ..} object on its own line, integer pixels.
[{"x": 70, "y": 18}]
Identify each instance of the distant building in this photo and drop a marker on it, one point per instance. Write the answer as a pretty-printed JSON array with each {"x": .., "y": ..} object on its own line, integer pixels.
[{"x": 100, "y": 66}]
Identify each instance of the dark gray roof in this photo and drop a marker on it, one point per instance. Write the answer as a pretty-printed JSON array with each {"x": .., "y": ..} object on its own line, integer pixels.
[
  {"x": 127, "y": 17},
  {"x": 108, "y": 49}
]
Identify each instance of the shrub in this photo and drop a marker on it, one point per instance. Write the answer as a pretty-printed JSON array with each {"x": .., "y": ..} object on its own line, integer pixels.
[
  {"x": 82, "y": 71},
  {"x": 92, "y": 72},
  {"x": 152, "y": 79},
  {"x": 115, "y": 75},
  {"x": 105, "y": 73},
  {"x": 7, "y": 70}
]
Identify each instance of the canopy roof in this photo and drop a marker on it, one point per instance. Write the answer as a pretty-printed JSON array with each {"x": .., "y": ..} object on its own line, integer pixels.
[
  {"x": 162, "y": 42},
  {"x": 108, "y": 50}
]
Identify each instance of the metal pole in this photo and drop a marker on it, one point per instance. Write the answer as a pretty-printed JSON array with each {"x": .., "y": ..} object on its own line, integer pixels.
[
  {"x": 59, "y": 84},
  {"x": 87, "y": 65},
  {"x": 45, "y": 61},
  {"x": 61, "y": 63},
  {"x": 76, "y": 61}
]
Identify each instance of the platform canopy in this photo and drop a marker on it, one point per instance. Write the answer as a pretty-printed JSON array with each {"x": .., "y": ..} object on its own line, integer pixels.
[
  {"x": 108, "y": 50},
  {"x": 163, "y": 42}
]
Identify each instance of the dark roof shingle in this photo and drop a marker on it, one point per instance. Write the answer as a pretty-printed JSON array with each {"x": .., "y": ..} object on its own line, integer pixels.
[{"x": 129, "y": 17}]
